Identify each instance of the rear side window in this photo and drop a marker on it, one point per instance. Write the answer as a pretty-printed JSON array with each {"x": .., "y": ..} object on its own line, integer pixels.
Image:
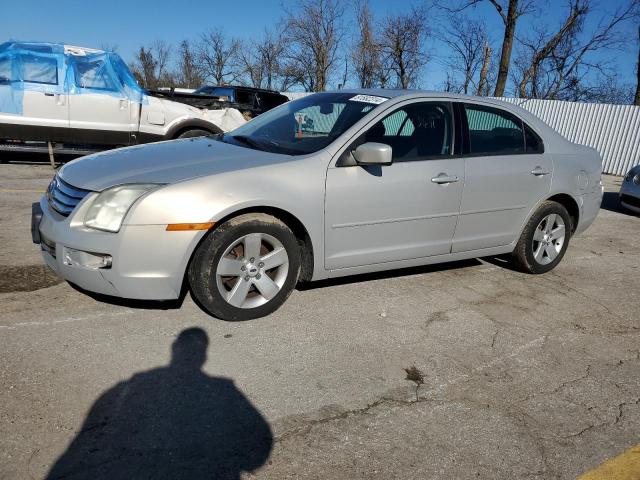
[
  {"x": 493, "y": 131},
  {"x": 93, "y": 74},
  {"x": 39, "y": 69},
  {"x": 415, "y": 132}
]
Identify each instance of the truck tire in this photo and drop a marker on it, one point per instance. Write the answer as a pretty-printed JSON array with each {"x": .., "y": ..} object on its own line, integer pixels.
[{"x": 194, "y": 133}]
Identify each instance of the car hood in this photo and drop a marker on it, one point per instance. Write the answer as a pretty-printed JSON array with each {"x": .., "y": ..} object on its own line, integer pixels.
[{"x": 164, "y": 162}]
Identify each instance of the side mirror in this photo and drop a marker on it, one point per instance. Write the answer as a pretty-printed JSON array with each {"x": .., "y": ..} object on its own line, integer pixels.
[{"x": 372, "y": 153}]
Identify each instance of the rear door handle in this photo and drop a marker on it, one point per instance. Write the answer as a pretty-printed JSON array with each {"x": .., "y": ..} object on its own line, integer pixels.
[
  {"x": 539, "y": 171},
  {"x": 443, "y": 178},
  {"x": 47, "y": 94}
]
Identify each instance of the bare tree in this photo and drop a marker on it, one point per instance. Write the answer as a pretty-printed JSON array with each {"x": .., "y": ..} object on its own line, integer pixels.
[
  {"x": 150, "y": 65},
  {"x": 402, "y": 42},
  {"x": 466, "y": 41},
  {"x": 510, "y": 12},
  {"x": 636, "y": 98},
  {"x": 218, "y": 57},
  {"x": 262, "y": 61},
  {"x": 483, "y": 81},
  {"x": 558, "y": 65},
  {"x": 365, "y": 55},
  {"x": 188, "y": 73},
  {"x": 313, "y": 32}
]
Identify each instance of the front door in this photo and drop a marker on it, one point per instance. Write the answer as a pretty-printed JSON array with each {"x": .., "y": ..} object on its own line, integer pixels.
[
  {"x": 43, "y": 110},
  {"x": 507, "y": 174},
  {"x": 404, "y": 210}
]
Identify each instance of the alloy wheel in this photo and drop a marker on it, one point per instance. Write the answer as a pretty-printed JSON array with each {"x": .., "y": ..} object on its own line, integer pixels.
[
  {"x": 548, "y": 239},
  {"x": 252, "y": 270}
]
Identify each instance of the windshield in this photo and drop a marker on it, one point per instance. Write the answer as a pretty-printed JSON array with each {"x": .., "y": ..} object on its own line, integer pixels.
[{"x": 305, "y": 125}]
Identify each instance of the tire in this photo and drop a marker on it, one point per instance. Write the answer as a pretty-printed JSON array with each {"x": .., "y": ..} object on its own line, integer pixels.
[
  {"x": 231, "y": 287},
  {"x": 194, "y": 133},
  {"x": 544, "y": 239}
]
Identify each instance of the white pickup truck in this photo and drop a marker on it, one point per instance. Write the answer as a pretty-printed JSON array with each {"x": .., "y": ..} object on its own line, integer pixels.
[{"x": 79, "y": 99}]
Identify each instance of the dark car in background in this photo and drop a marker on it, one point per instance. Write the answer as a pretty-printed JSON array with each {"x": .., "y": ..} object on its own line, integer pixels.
[{"x": 256, "y": 100}]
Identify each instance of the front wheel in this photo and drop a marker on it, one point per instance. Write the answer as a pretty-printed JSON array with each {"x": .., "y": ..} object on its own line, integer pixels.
[
  {"x": 544, "y": 239},
  {"x": 246, "y": 268}
]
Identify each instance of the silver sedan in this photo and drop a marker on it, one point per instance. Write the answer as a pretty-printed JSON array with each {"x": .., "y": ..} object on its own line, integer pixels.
[
  {"x": 630, "y": 190},
  {"x": 329, "y": 185}
]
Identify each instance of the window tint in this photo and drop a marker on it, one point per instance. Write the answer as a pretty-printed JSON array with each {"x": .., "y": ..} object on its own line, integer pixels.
[
  {"x": 493, "y": 131},
  {"x": 93, "y": 74},
  {"x": 532, "y": 141},
  {"x": 414, "y": 132},
  {"x": 37, "y": 69}
]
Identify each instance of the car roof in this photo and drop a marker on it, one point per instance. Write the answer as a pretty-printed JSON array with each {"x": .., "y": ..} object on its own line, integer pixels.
[{"x": 48, "y": 47}]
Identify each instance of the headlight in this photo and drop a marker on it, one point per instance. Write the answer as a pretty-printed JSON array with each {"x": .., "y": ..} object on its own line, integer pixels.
[
  {"x": 108, "y": 209},
  {"x": 636, "y": 179}
]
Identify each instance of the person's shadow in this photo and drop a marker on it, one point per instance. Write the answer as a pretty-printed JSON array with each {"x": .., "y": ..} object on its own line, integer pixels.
[{"x": 173, "y": 422}]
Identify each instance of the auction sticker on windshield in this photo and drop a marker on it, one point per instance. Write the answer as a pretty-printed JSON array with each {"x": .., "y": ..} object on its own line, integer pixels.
[{"x": 369, "y": 99}]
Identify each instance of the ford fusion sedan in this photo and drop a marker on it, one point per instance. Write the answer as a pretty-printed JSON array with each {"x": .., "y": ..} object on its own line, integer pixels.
[
  {"x": 630, "y": 190},
  {"x": 329, "y": 185}
]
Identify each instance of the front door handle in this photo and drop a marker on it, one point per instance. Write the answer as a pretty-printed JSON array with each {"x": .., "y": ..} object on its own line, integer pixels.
[
  {"x": 539, "y": 171},
  {"x": 443, "y": 178}
]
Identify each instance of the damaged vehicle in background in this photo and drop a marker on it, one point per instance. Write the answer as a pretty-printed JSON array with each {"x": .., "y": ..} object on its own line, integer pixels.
[
  {"x": 250, "y": 101},
  {"x": 329, "y": 185},
  {"x": 84, "y": 100}
]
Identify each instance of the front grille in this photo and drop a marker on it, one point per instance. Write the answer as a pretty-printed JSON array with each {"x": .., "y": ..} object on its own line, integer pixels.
[
  {"x": 629, "y": 200},
  {"x": 62, "y": 197}
]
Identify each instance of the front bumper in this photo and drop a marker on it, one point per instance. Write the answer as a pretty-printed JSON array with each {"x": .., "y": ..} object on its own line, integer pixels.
[
  {"x": 148, "y": 263},
  {"x": 630, "y": 196}
]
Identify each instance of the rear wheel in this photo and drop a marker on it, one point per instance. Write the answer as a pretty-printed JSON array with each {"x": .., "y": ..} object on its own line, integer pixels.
[
  {"x": 194, "y": 133},
  {"x": 544, "y": 239},
  {"x": 246, "y": 268}
]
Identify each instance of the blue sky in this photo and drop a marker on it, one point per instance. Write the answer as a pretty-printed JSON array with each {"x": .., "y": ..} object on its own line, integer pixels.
[{"x": 130, "y": 24}]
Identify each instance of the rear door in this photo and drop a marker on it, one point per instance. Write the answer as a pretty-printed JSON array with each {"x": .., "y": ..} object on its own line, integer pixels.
[
  {"x": 99, "y": 112},
  {"x": 506, "y": 174}
]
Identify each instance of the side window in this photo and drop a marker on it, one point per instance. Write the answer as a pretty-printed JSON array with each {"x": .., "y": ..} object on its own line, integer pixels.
[
  {"x": 415, "y": 132},
  {"x": 38, "y": 69},
  {"x": 93, "y": 74},
  {"x": 532, "y": 141},
  {"x": 493, "y": 131},
  {"x": 244, "y": 96}
]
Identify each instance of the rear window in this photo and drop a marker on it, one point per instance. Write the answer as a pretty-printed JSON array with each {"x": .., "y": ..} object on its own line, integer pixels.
[{"x": 493, "y": 131}]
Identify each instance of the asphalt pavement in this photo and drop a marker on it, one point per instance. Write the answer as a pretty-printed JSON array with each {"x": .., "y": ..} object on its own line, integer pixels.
[{"x": 455, "y": 371}]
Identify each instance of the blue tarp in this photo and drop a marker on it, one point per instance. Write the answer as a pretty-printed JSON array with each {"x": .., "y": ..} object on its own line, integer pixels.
[{"x": 54, "y": 68}]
